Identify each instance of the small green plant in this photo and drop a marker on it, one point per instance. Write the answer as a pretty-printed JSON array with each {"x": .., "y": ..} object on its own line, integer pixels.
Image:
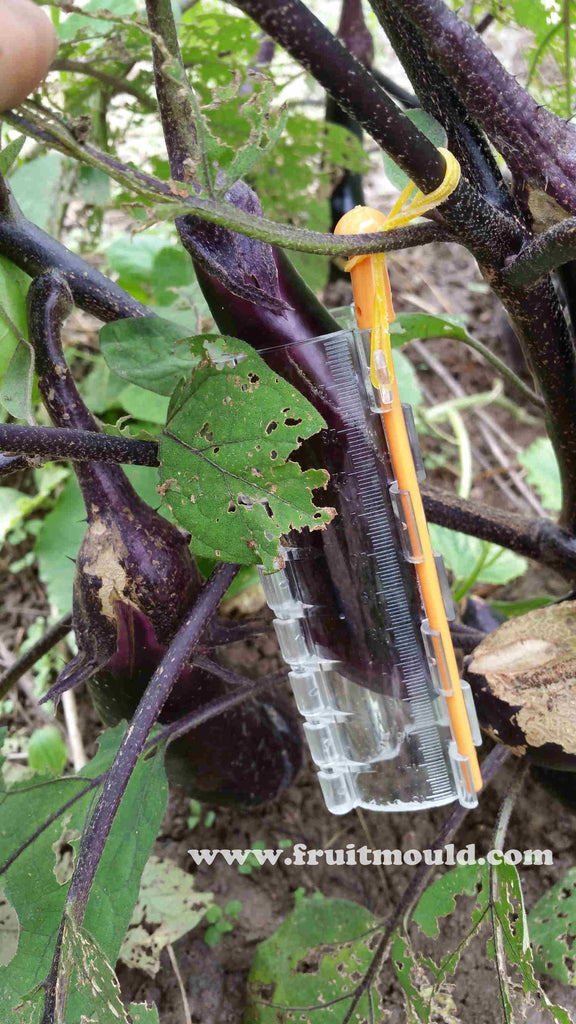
[{"x": 221, "y": 921}]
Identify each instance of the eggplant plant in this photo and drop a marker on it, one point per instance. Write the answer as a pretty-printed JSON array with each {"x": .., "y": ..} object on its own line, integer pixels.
[{"x": 249, "y": 450}]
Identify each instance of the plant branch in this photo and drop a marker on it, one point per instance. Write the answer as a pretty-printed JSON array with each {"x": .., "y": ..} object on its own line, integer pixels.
[
  {"x": 488, "y": 233},
  {"x": 539, "y": 539},
  {"x": 117, "y": 85},
  {"x": 10, "y": 464},
  {"x": 35, "y": 252},
  {"x": 490, "y": 767},
  {"x": 51, "y": 637},
  {"x": 118, "y": 776},
  {"x": 55, "y": 443},
  {"x": 547, "y": 251},
  {"x": 222, "y": 213},
  {"x": 216, "y": 707},
  {"x": 536, "y": 144}
]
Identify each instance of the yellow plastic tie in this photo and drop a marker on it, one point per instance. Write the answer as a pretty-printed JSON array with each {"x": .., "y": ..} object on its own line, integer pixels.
[{"x": 399, "y": 216}]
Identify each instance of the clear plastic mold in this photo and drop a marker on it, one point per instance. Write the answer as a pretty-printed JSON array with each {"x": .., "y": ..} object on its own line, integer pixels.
[{"x": 349, "y": 616}]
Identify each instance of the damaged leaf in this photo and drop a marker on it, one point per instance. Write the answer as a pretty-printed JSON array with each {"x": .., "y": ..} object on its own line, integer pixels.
[
  {"x": 225, "y": 456},
  {"x": 36, "y": 882},
  {"x": 552, "y": 923},
  {"x": 168, "y": 906},
  {"x": 320, "y": 953}
]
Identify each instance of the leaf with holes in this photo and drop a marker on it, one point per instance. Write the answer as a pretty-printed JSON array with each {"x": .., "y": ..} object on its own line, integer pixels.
[
  {"x": 225, "y": 456},
  {"x": 552, "y": 923},
  {"x": 318, "y": 955},
  {"x": 168, "y": 907},
  {"x": 36, "y": 881}
]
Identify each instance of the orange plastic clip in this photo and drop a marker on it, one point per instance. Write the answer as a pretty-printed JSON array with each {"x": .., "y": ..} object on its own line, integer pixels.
[{"x": 371, "y": 286}]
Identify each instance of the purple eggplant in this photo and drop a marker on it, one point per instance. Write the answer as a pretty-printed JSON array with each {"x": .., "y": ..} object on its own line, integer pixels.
[{"x": 135, "y": 582}]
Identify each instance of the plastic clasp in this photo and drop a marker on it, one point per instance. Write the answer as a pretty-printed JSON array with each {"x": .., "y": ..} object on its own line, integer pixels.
[
  {"x": 434, "y": 647},
  {"x": 409, "y": 536}
]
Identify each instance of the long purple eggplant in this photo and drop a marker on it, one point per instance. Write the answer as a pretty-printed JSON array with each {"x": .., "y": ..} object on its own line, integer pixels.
[{"x": 135, "y": 582}]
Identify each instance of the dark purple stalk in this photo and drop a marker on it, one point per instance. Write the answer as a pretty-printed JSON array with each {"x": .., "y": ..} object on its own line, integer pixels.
[
  {"x": 35, "y": 252},
  {"x": 546, "y": 252},
  {"x": 51, "y": 637},
  {"x": 484, "y": 230},
  {"x": 10, "y": 464},
  {"x": 540, "y": 539},
  {"x": 217, "y": 707},
  {"x": 78, "y": 445},
  {"x": 538, "y": 146},
  {"x": 118, "y": 776},
  {"x": 439, "y": 97}
]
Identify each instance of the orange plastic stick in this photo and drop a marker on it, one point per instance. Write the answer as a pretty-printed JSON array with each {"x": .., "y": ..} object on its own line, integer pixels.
[{"x": 364, "y": 283}]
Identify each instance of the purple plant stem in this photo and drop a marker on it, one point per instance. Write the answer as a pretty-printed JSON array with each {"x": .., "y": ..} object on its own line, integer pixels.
[
  {"x": 77, "y": 445},
  {"x": 538, "y": 146},
  {"x": 51, "y": 637},
  {"x": 118, "y": 777}
]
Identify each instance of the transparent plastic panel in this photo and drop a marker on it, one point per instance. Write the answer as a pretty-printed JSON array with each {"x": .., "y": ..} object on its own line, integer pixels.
[
  {"x": 414, "y": 442},
  {"x": 463, "y": 778},
  {"x": 445, "y": 587},
  {"x": 472, "y": 715},
  {"x": 366, "y": 673},
  {"x": 338, "y": 790},
  {"x": 295, "y": 645},
  {"x": 324, "y": 742},
  {"x": 409, "y": 536},
  {"x": 434, "y": 646},
  {"x": 279, "y": 594}
]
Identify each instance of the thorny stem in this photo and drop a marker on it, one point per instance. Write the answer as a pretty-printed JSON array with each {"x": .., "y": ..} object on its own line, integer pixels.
[
  {"x": 539, "y": 539},
  {"x": 118, "y": 777},
  {"x": 476, "y": 223},
  {"x": 547, "y": 251},
  {"x": 490, "y": 767},
  {"x": 35, "y": 252},
  {"x": 51, "y": 637},
  {"x": 13, "y": 464},
  {"x": 219, "y": 212},
  {"x": 55, "y": 443}
]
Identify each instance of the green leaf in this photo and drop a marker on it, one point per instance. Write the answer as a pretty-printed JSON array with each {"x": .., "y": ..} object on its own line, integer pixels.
[
  {"x": 36, "y": 185},
  {"x": 16, "y": 506},
  {"x": 224, "y": 454},
  {"x": 9, "y": 154},
  {"x": 168, "y": 907},
  {"x": 543, "y": 473},
  {"x": 13, "y": 287},
  {"x": 407, "y": 378},
  {"x": 319, "y": 953},
  {"x": 439, "y": 899},
  {"x": 552, "y": 922},
  {"x": 431, "y": 128},
  {"x": 143, "y": 405},
  {"x": 172, "y": 269},
  {"x": 461, "y": 554},
  {"x": 512, "y": 608},
  {"x": 16, "y": 388},
  {"x": 149, "y": 352},
  {"x": 36, "y": 882},
  {"x": 47, "y": 750}
]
